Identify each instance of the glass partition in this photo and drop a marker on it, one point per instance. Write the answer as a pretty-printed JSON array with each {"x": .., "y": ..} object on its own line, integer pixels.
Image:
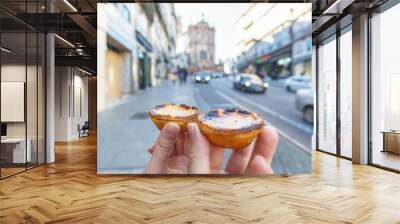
[
  {"x": 23, "y": 90},
  {"x": 14, "y": 153}
]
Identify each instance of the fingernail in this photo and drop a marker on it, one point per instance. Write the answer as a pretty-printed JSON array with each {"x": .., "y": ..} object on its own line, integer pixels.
[
  {"x": 171, "y": 129},
  {"x": 191, "y": 130},
  {"x": 259, "y": 158}
]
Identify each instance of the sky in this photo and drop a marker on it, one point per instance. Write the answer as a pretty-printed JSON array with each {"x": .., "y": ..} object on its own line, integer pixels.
[{"x": 222, "y": 16}]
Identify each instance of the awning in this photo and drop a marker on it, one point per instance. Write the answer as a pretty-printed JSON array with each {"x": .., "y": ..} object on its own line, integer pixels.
[
  {"x": 282, "y": 53},
  {"x": 263, "y": 59},
  {"x": 143, "y": 41}
]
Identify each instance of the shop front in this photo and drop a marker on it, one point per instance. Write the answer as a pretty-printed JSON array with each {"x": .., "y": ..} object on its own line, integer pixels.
[
  {"x": 302, "y": 50},
  {"x": 280, "y": 63},
  {"x": 263, "y": 66},
  {"x": 144, "y": 61},
  {"x": 276, "y": 64}
]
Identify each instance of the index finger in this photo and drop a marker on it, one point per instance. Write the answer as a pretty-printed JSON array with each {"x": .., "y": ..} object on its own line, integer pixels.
[
  {"x": 266, "y": 143},
  {"x": 164, "y": 147}
]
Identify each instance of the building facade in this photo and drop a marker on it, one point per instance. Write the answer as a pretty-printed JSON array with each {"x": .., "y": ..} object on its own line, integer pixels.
[
  {"x": 201, "y": 46},
  {"x": 137, "y": 53},
  {"x": 116, "y": 49},
  {"x": 277, "y": 48}
]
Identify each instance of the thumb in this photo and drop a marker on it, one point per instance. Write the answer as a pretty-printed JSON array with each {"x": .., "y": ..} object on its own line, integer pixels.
[
  {"x": 163, "y": 148},
  {"x": 199, "y": 151}
]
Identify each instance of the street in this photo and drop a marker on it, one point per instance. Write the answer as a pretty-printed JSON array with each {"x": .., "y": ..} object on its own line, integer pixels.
[
  {"x": 276, "y": 105},
  {"x": 133, "y": 133}
]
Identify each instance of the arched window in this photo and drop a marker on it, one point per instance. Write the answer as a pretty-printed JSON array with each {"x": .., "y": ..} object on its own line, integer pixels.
[{"x": 203, "y": 55}]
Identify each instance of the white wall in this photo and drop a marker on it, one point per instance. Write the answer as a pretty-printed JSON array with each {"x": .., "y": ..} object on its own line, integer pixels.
[
  {"x": 11, "y": 73},
  {"x": 62, "y": 81},
  {"x": 70, "y": 83}
]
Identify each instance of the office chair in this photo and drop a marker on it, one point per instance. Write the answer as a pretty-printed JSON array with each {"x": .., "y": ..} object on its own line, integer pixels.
[{"x": 84, "y": 130}]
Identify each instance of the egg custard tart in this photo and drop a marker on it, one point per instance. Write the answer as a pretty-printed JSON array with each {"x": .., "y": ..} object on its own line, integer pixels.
[
  {"x": 230, "y": 128},
  {"x": 179, "y": 114}
]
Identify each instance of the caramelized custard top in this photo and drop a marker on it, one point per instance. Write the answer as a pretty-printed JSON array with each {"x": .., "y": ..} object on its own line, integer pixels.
[
  {"x": 174, "y": 110},
  {"x": 233, "y": 118}
]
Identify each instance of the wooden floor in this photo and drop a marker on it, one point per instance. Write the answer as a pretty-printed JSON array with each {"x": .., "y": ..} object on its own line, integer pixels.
[
  {"x": 70, "y": 191},
  {"x": 10, "y": 171}
]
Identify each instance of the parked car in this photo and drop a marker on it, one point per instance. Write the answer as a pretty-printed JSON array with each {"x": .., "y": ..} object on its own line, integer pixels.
[
  {"x": 305, "y": 103},
  {"x": 216, "y": 75},
  {"x": 250, "y": 83},
  {"x": 202, "y": 77},
  {"x": 296, "y": 82},
  {"x": 233, "y": 77},
  {"x": 267, "y": 79}
]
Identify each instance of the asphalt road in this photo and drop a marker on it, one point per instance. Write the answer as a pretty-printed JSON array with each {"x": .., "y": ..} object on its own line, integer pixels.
[{"x": 276, "y": 105}]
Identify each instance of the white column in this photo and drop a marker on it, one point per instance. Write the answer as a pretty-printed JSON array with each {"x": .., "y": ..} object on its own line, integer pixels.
[
  {"x": 360, "y": 90},
  {"x": 314, "y": 86},
  {"x": 101, "y": 57},
  {"x": 50, "y": 98}
]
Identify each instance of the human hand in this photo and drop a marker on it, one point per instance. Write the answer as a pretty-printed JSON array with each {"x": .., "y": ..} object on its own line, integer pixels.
[
  {"x": 207, "y": 158},
  {"x": 192, "y": 153},
  {"x": 168, "y": 153}
]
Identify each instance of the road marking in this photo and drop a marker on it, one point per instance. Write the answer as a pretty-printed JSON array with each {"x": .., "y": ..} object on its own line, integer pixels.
[
  {"x": 280, "y": 132},
  {"x": 275, "y": 114}
]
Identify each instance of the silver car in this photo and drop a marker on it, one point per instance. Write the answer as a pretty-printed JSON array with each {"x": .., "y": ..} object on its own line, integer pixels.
[
  {"x": 305, "y": 103},
  {"x": 296, "y": 82}
]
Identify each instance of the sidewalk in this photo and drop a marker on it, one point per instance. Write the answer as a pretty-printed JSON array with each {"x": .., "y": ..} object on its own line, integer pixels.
[{"x": 126, "y": 128}]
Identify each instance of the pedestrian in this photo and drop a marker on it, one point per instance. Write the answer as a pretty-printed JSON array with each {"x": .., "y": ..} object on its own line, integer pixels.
[
  {"x": 173, "y": 77},
  {"x": 185, "y": 74},
  {"x": 180, "y": 75}
]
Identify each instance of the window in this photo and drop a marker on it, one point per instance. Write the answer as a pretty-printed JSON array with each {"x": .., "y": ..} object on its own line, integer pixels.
[
  {"x": 327, "y": 96},
  {"x": 346, "y": 94},
  {"x": 385, "y": 89},
  {"x": 203, "y": 55}
]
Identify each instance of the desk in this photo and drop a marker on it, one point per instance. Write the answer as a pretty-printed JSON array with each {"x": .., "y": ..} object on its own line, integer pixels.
[
  {"x": 391, "y": 141},
  {"x": 17, "y": 150}
]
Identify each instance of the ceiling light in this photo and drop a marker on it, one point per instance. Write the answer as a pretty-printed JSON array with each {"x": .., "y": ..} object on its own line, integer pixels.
[
  {"x": 64, "y": 40},
  {"x": 331, "y": 7},
  {"x": 5, "y": 50},
  {"x": 337, "y": 7},
  {"x": 84, "y": 71},
  {"x": 70, "y": 5}
]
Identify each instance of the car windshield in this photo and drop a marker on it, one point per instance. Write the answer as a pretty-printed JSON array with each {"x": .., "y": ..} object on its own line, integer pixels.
[
  {"x": 203, "y": 75},
  {"x": 245, "y": 78},
  {"x": 301, "y": 78},
  {"x": 252, "y": 78}
]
